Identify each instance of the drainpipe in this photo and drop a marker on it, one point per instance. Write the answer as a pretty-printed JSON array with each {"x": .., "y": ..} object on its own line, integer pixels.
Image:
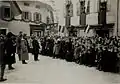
[{"x": 117, "y": 17}]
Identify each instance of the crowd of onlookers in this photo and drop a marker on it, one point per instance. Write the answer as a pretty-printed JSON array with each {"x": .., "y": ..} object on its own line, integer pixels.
[{"x": 100, "y": 52}]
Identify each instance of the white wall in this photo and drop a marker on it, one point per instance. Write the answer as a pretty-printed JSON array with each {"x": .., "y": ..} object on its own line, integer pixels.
[
  {"x": 16, "y": 27},
  {"x": 92, "y": 19}
]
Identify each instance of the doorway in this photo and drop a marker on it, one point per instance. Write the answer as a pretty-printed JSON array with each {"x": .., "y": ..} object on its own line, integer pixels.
[
  {"x": 102, "y": 33},
  {"x": 3, "y": 31}
]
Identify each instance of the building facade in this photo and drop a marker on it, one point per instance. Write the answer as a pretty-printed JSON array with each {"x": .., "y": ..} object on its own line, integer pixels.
[
  {"x": 35, "y": 18},
  {"x": 97, "y": 16}
]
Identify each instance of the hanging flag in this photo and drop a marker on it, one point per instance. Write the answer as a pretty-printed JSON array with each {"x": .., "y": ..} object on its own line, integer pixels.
[
  {"x": 59, "y": 28},
  {"x": 15, "y": 8},
  {"x": 87, "y": 29},
  {"x": 63, "y": 29}
]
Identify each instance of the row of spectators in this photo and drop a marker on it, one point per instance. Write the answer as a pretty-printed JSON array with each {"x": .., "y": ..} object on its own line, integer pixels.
[{"x": 102, "y": 53}]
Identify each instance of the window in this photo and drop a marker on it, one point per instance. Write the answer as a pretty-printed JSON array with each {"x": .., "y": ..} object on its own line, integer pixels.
[
  {"x": 26, "y": 16},
  {"x": 6, "y": 13},
  {"x": 37, "y": 6},
  {"x": 82, "y": 5},
  {"x": 88, "y": 7},
  {"x": 26, "y": 4},
  {"x": 108, "y": 5},
  {"x": 37, "y": 17}
]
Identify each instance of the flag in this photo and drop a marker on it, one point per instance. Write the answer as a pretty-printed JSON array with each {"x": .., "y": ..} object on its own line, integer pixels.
[
  {"x": 63, "y": 29},
  {"x": 87, "y": 29},
  {"x": 59, "y": 28},
  {"x": 15, "y": 8}
]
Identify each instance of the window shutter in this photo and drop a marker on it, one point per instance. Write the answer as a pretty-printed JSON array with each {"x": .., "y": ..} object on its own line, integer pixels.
[
  {"x": 64, "y": 10},
  {"x": 23, "y": 15},
  {"x": 40, "y": 17},
  {"x": 2, "y": 12},
  {"x": 29, "y": 16},
  {"x": 108, "y": 5},
  {"x": 34, "y": 16},
  {"x": 71, "y": 10}
]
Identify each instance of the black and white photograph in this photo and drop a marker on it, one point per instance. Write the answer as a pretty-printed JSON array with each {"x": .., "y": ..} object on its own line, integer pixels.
[{"x": 59, "y": 41}]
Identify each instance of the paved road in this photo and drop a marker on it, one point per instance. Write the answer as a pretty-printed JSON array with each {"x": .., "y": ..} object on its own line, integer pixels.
[{"x": 55, "y": 71}]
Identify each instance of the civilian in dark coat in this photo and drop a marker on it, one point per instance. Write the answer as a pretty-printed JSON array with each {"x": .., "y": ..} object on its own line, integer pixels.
[
  {"x": 36, "y": 48},
  {"x": 62, "y": 50},
  {"x": 9, "y": 47},
  {"x": 18, "y": 44},
  {"x": 69, "y": 54},
  {"x": 2, "y": 58},
  {"x": 43, "y": 44}
]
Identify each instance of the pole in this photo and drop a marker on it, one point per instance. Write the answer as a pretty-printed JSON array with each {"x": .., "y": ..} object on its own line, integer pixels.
[{"x": 117, "y": 17}]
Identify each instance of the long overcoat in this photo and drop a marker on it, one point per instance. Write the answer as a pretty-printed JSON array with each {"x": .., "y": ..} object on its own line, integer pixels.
[
  {"x": 56, "y": 49},
  {"x": 9, "y": 48},
  {"x": 2, "y": 53},
  {"x": 36, "y": 47},
  {"x": 23, "y": 50}
]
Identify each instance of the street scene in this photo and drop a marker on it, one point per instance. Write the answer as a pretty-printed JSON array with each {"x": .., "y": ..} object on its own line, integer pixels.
[{"x": 60, "y": 41}]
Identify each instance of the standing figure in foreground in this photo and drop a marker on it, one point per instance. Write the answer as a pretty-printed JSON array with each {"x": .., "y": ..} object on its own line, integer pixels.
[
  {"x": 9, "y": 47},
  {"x": 2, "y": 58},
  {"x": 22, "y": 49},
  {"x": 36, "y": 48}
]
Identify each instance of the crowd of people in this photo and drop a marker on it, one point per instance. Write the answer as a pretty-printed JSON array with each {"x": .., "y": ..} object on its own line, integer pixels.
[{"x": 100, "y": 52}]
